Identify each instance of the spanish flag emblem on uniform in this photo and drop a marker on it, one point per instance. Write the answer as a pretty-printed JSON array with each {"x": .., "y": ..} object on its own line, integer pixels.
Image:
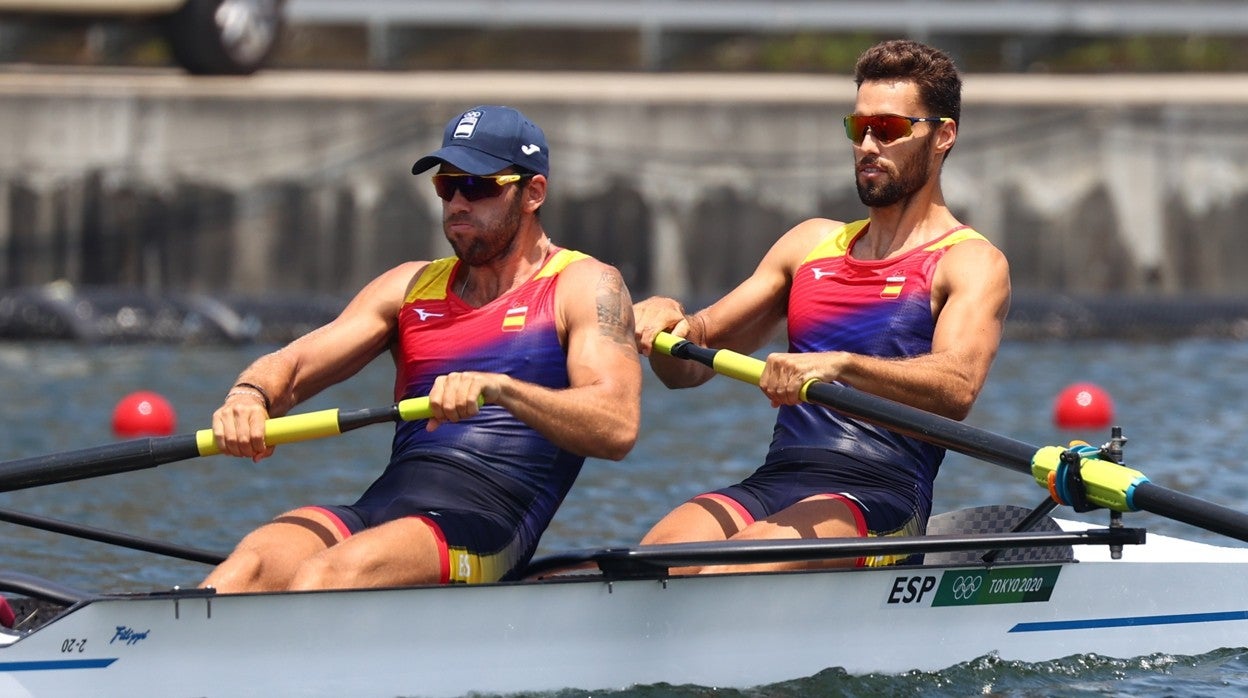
[
  {"x": 892, "y": 287},
  {"x": 513, "y": 321}
]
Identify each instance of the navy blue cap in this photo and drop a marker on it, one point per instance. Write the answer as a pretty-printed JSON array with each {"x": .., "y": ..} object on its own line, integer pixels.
[{"x": 487, "y": 139}]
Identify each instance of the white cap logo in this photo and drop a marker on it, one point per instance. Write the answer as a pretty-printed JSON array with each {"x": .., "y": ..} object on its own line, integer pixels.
[{"x": 467, "y": 124}]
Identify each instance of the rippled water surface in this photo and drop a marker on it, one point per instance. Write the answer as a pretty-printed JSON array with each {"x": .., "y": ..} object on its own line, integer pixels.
[{"x": 1181, "y": 404}]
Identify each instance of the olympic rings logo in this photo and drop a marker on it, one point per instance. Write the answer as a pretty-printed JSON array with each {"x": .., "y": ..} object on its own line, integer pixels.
[{"x": 966, "y": 587}]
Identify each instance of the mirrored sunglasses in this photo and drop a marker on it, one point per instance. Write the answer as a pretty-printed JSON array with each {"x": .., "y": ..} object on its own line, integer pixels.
[
  {"x": 885, "y": 127},
  {"x": 473, "y": 187}
]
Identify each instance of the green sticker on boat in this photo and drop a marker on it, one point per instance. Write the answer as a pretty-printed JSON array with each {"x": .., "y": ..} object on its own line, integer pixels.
[{"x": 996, "y": 585}]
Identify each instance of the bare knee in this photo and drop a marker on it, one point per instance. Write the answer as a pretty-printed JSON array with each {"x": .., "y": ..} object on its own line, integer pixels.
[
  {"x": 319, "y": 572},
  {"x": 663, "y": 532},
  {"x": 339, "y": 567},
  {"x": 242, "y": 571},
  {"x": 701, "y": 519}
]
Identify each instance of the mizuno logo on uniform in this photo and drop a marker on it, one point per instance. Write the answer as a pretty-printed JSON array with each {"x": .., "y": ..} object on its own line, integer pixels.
[
  {"x": 425, "y": 314},
  {"x": 530, "y": 148},
  {"x": 819, "y": 273},
  {"x": 892, "y": 287}
]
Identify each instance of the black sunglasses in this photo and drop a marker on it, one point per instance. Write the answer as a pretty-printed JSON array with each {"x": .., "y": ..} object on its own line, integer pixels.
[{"x": 473, "y": 187}]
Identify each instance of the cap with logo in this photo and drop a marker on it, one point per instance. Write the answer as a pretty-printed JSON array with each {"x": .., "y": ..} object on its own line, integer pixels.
[{"x": 487, "y": 139}]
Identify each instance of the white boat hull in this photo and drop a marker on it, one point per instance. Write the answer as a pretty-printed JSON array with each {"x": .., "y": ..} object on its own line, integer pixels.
[{"x": 1168, "y": 596}]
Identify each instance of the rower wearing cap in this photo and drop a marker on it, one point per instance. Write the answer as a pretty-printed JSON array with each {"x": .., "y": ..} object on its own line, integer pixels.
[{"x": 542, "y": 335}]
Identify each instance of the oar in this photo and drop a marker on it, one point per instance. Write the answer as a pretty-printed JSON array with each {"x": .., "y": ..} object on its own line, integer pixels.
[
  {"x": 123, "y": 540},
  {"x": 137, "y": 454},
  {"x": 1108, "y": 485},
  {"x": 646, "y": 558}
]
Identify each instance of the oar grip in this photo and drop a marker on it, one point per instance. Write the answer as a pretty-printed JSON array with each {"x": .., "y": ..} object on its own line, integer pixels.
[
  {"x": 667, "y": 343},
  {"x": 283, "y": 430},
  {"x": 746, "y": 369},
  {"x": 739, "y": 366},
  {"x": 414, "y": 408},
  {"x": 206, "y": 443},
  {"x": 332, "y": 422},
  {"x": 302, "y": 427}
]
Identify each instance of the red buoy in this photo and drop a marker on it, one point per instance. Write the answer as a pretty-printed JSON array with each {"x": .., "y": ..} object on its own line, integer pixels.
[
  {"x": 1083, "y": 406},
  {"x": 143, "y": 413}
]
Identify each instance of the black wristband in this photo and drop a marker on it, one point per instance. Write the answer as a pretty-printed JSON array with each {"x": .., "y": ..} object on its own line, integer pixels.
[{"x": 268, "y": 405}]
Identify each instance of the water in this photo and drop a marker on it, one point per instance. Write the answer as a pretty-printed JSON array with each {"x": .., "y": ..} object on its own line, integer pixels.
[{"x": 1180, "y": 403}]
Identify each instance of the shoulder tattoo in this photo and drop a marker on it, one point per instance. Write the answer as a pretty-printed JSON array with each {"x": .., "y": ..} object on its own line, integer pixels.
[{"x": 615, "y": 310}]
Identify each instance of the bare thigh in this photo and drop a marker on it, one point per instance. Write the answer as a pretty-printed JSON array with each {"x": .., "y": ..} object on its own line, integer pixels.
[
  {"x": 701, "y": 519},
  {"x": 820, "y": 516},
  {"x": 400, "y": 552},
  {"x": 268, "y": 557}
]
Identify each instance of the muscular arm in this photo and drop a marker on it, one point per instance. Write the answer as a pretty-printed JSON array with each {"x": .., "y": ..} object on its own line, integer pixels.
[
  {"x": 743, "y": 321},
  {"x": 599, "y": 414},
  {"x": 313, "y": 362},
  {"x": 970, "y": 298}
]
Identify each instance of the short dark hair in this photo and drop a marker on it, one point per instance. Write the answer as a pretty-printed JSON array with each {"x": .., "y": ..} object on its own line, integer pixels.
[{"x": 932, "y": 70}]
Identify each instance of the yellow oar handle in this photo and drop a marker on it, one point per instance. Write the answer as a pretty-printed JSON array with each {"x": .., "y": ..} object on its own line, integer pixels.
[
  {"x": 725, "y": 361},
  {"x": 729, "y": 363},
  {"x": 315, "y": 425},
  {"x": 283, "y": 430},
  {"x": 739, "y": 366},
  {"x": 664, "y": 342},
  {"x": 415, "y": 408}
]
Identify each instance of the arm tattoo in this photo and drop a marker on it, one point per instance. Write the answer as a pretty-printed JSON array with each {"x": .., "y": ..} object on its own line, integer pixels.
[{"x": 615, "y": 313}]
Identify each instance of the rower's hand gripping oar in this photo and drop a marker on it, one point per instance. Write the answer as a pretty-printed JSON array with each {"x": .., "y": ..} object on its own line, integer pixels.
[
  {"x": 1073, "y": 476},
  {"x": 137, "y": 454}
]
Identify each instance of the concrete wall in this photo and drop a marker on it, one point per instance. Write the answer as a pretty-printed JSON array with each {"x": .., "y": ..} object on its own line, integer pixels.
[{"x": 300, "y": 181}]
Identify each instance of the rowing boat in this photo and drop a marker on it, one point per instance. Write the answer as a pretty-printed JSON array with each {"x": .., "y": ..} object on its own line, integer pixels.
[
  {"x": 1013, "y": 582},
  {"x": 629, "y": 622}
]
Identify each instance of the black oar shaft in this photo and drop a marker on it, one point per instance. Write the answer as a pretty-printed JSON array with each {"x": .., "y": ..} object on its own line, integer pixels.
[
  {"x": 959, "y": 437},
  {"x": 100, "y": 535},
  {"x": 911, "y": 421},
  {"x": 354, "y": 419},
  {"x": 932, "y": 428},
  {"x": 1191, "y": 510},
  {"x": 138, "y": 454},
  {"x": 121, "y": 457}
]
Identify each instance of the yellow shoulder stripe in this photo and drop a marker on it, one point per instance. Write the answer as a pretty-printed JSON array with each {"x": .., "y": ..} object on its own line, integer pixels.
[
  {"x": 837, "y": 244},
  {"x": 434, "y": 281},
  {"x": 435, "y": 278},
  {"x": 955, "y": 238},
  {"x": 557, "y": 263}
]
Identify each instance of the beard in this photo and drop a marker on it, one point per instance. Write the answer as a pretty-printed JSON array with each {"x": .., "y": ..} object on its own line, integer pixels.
[
  {"x": 494, "y": 241},
  {"x": 903, "y": 180}
]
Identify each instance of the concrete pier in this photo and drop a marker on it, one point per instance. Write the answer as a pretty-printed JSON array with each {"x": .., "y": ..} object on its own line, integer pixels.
[{"x": 299, "y": 182}]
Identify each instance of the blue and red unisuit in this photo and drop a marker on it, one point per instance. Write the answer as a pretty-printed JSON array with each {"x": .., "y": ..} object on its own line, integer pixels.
[
  {"x": 872, "y": 307},
  {"x": 488, "y": 486}
]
